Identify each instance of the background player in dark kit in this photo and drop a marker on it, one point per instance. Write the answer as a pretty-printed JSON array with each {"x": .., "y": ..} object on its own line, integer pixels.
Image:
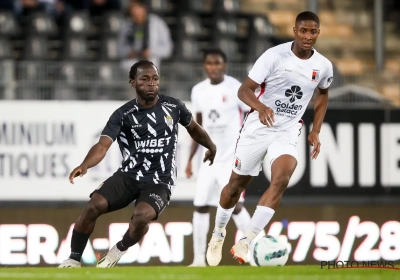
[{"x": 146, "y": 129}]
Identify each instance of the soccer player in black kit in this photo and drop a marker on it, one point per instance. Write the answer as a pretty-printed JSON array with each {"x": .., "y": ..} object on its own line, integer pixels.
[{"x": 146, "y": 129}]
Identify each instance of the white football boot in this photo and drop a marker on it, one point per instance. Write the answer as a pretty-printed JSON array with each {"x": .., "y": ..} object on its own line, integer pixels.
[
  {"x": 214, "y": 250},
  {"x": 111, "y": 258},
  {"x": 240, "y": 251},
  {"x": 70, "y": 263}
]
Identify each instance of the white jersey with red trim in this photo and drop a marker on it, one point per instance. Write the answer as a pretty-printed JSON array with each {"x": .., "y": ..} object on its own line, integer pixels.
[
  {"x": 287, "y": 84},
  {"x": 222, "y": 112}
]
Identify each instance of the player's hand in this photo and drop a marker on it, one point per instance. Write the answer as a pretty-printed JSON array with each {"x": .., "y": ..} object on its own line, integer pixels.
[
  {"x": 188, "y": 170},
  {"x": 210, "y": 155},
  {"x": 313, "y": 140},
  {"x": 79, "y": 171},
  {"x": 266, "y": 115}
]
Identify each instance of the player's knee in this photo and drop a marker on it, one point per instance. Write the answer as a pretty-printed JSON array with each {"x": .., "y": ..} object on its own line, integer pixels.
[
  {"x": 280, "y": 183},
  {"x": 95, "y": 208},
  {"x": 140, "y": 220}
]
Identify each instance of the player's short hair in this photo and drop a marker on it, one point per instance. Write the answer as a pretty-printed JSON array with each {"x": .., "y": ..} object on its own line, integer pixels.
[
  {"x": 139, "y": 2},
  {"x": 307, "y": 15},
  {"x": 215, "y": 51},
  {"x": 140, "y": 63}
]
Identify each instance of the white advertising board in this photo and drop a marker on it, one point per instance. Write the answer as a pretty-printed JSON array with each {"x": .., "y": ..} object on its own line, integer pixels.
[{"x": 42, "y": 141}]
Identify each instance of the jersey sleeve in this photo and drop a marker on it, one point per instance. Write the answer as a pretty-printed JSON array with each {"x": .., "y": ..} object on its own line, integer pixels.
[
  {"x": 195, "y": 101},
  {"x": 185, "y": 116},
  {"x": 113, "y": 126},
  {"x": 327, "y": 79},
  {"x": 262, "y": 68}
]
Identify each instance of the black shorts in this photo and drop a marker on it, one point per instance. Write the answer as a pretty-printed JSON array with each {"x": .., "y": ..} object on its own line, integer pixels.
[{"x": 120, "y": 190}]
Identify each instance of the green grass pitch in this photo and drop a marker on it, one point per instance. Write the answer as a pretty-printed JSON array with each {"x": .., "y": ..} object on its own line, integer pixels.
[{"x": 206, "y": 273}]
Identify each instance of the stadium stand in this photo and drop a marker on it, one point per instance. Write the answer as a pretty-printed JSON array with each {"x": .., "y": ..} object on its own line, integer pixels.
[{"x": 243, "y": 29}]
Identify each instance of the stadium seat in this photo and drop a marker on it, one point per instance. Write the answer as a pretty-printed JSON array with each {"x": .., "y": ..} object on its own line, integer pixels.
[
  {"x": 188, "y": 49},
  {"x": 257, "y": 46},
  {"x": 79, "y": 23},
  {"x": 42, "y": 24},
  {"x": 190, "y": 25},
  {"x": 350, "y": 66},
  {"x": 36, "y": 48},
  {"x": 228, "y": 6},
  {"x": 8, "y": 24},
  {"x": 262, "y": 27},
  {"x": 109, "y": 49},
  {"x": 226, "y": 26},
  {"x": 111, "y": 23},
  {"x": 76, "y": 48},
  {"x": 159, "y": 6},
  {"x": 231, "y": 48},
  {"x": 5, "y": 48}
]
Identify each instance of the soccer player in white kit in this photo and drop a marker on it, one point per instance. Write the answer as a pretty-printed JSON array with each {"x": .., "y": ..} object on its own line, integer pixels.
[
  {"x": 278, "y": 89},
  {"x": 219, "y": 110}
]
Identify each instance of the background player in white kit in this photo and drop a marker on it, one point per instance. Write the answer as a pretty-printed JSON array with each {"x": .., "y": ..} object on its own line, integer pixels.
[
  {"x": 219, "y": 110},
  {"x": 278, "y": 89}
]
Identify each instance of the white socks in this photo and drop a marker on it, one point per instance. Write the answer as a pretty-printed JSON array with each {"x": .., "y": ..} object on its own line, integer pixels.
[
  {"x": 221, "y": 220},
  {"x": 201, "y": 225},
  {"x": 242, "y": 220},
  {"x": 260, "y": 219}
]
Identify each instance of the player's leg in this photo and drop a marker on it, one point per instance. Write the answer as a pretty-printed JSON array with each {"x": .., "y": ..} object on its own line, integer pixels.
[
  {"x": 150, "y": 203},
  {"x": 247, "y": 164},
  {"x": 240, "y": 216},
  {"x": 110, "y": 196},
  {"x": 201, "y": 226},
  {"x": 203, "y": 198},
  {"x": 284, "y": 154}
]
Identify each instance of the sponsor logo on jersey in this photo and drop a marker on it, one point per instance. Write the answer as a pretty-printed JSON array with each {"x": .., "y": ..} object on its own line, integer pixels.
[
  {"x": 330, "y": 79},
  {"x": 315, "y": 75},
  {"x": 169, "y": 104},
  {"x": 238, "y": 164},
  {"x": 213, "y": 115},
  {"x": 294, "y": 93},
  {"x": 289, "y": 108},
  {"x": 152, "y": 143}
]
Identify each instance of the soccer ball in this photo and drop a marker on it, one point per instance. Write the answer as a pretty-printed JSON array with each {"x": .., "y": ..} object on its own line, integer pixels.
[{"x": 269, "y": 251}]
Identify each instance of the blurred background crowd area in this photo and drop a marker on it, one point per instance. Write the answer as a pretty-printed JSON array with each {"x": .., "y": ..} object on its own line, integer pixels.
[{"x": 82, "y": 49}]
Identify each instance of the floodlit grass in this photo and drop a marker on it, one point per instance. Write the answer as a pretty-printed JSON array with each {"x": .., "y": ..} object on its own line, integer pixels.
[{"x": 209, "y": 273}]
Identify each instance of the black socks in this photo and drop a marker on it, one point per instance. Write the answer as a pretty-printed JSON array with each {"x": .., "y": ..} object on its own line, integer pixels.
[{"x": 78, "y": 244}]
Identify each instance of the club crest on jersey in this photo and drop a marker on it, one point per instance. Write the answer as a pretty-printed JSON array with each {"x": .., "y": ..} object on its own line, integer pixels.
[
  {"x": 224, "y": 98},
  {"x": 170, "y": 121},
  {"x": 315, "y": 76},
  {"x": 238, "y": 164}
]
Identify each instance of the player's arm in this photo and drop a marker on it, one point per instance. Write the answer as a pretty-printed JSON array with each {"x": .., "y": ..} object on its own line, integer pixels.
[
  {"x": 199, "y": 135},
  {"x": 195, "y": 145},
  {"x": 94, "y": 157},
  {"x": 99, "y": 150},
  {"x": 246, "y": 94},
  {"x": 320, "y": 107},
  {"x": 193, "y": 149}
]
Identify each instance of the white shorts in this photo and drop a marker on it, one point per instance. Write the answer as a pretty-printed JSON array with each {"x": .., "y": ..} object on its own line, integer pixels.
[
  {"x": 210, "y": 182},
  {"x": 252, "y": 147}
]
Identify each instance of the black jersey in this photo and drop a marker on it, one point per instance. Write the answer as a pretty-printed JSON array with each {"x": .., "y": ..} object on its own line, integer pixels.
[{"x": 148, "y": 137}]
